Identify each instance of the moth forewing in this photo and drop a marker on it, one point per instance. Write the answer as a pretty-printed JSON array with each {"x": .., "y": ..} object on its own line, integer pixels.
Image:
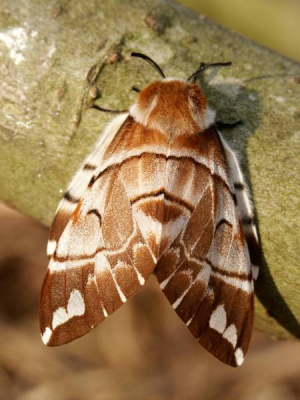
[
  {"x": 81, "y": 288},
  {"x": 160, "y": 192}
]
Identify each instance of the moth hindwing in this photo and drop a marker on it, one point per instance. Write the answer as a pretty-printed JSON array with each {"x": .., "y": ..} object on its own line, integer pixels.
[{"x": 162, "y": 192}]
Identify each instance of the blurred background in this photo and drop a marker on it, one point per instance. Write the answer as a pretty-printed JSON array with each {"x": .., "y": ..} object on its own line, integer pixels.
[
  {"x": 272, "y": 23},
  {"x": 143, "y": 351}
]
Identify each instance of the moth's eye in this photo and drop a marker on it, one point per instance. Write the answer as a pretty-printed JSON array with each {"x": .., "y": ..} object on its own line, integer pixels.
[
  {"x": 194, "y": 101},
  {"x": 197, "y": 99}
]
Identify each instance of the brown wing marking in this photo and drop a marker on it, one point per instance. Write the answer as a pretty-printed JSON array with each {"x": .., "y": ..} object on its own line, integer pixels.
[
  {"x": 93, "y": 271},
  {"x": 182, "y": 271}
]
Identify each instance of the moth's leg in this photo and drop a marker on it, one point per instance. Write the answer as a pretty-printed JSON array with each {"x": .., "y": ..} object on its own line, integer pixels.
[
  {"x": 109, "y": 110},
  {"x": 226, "y": 125},
  {"x": 244, "y": 207},
  {"x": 135, "y": 89}
]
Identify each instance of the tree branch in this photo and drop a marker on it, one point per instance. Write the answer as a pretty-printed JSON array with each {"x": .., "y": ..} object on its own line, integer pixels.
[{"x": 58, "y": 57}]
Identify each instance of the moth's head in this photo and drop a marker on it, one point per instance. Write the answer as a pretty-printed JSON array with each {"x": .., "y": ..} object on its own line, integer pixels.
[{"x": 173, "y": 106}]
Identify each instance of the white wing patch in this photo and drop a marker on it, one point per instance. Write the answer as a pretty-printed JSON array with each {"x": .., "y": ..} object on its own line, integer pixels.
[
  {"x": 239, "y": 356},
  {"x": 218, "y": 319},
  {"x": 230, "y": 334},
  {"x": 75, "y": 308}
]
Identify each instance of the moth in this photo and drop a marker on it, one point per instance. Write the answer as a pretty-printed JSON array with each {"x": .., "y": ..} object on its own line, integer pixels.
[{"x": 161, "y": 193}]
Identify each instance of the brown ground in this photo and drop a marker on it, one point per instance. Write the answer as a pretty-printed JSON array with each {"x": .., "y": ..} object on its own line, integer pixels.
[{"x": 142, "y": 352}]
